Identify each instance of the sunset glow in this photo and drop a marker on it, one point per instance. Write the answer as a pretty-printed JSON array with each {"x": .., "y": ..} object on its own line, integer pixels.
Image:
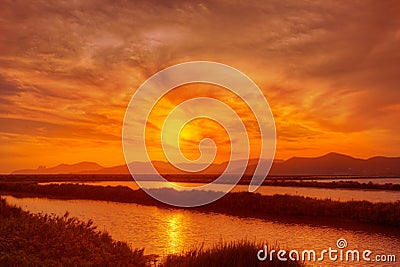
[{"x": 69, "y": 70}]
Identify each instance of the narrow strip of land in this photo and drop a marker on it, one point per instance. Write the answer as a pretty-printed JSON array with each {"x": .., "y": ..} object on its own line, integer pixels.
[
  {"x": 296, "y": 181},
  {"x": 238, "y": 203}
]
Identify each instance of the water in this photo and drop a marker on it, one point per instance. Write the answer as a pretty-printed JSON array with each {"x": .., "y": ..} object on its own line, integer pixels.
[
  {"x": 374, "y": 180},
  {"x": 319, "y": 193},
  {"x": 164, "y": 231}
]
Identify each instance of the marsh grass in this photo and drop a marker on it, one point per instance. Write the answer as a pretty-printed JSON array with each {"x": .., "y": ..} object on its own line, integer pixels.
[
  {"x": 241, "y": 253},
  {"x": 28, "y": 239}
]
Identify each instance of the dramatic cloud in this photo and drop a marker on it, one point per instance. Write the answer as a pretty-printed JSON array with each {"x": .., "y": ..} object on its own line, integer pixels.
[{"x": 329, "y": 69}]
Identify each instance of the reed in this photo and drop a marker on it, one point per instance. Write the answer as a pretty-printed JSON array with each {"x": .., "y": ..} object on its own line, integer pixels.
[
  {"x": 28, "y": 239},
  {"x": 240, "y": 253}
]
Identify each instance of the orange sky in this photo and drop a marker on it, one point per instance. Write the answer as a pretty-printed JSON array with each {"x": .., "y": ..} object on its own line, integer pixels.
[
  {"x": 329, "y": 70},
  {"x": 194, "y": 131}
]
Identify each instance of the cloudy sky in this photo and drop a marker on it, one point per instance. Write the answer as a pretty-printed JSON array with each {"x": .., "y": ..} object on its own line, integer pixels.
[{"x": 330, "y": 71}]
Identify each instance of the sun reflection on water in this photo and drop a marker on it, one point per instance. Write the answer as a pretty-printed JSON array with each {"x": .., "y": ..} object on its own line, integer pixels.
[{"x": 174, "y": 233}]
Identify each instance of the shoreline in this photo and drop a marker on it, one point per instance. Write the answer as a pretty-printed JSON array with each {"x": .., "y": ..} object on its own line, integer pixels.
[
  {"x": 289, "y": 181},
  {"x": 305, "y": 220},
  {"x": 282, "y": 208}
]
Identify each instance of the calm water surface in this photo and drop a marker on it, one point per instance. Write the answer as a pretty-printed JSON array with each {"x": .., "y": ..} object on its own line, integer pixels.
[
  {"x": 362, "y": 180},
  {"x": 164, "y": 231}
]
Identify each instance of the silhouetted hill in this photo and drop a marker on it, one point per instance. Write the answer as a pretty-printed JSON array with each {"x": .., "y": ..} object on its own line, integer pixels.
[
  {"x": 329, "y": 164},
  {"x": 166, "y": 168},
  {"x": 337, "y": 164},
  {"x": 63, "y": 169}
]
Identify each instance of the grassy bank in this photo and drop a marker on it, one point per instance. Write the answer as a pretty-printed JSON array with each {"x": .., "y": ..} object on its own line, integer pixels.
[
  {"x": 240, "y": 204},
  {"x": 46, "y": 240},
  {"x": 225, "y": 255},
  {"x": 28, "y": 239}
]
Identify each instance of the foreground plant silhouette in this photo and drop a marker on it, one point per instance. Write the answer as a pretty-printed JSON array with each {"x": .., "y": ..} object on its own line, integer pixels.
[
  {"x": 241, "y": 253},
  {"x": 47, "y": 240}
]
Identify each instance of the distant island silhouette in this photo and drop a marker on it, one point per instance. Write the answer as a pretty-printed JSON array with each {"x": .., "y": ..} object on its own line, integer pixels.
[{"x": 329, "y": 164}]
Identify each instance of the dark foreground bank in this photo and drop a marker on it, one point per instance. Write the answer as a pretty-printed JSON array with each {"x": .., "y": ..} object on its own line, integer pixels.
[
  {"x": 28, "y": 239},
  {"x": 239, "y": 204}
]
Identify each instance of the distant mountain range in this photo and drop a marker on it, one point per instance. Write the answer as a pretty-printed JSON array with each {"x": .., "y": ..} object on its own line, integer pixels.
[
  {"x": 63, "y": 169},
  {"x": 329, "y": 164},
  {"x": 338, "y": 164}
]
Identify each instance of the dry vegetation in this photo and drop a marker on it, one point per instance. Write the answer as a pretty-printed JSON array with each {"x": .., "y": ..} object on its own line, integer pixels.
[
  {"x": 240, "y": 253},
  {"x": 47, "y": 240}
]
